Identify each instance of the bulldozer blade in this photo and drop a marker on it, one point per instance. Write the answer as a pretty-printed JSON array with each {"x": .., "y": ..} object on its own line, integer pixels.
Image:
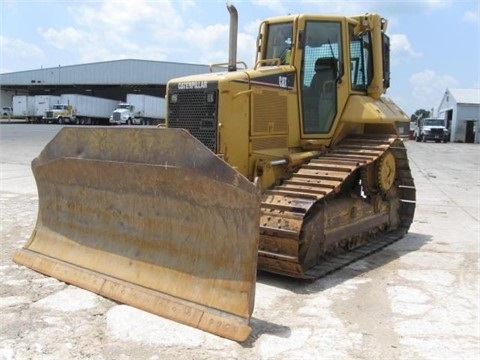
[{"x": 151, "y": 218}]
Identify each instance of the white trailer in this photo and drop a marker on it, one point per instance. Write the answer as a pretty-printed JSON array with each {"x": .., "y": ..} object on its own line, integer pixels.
[
  {"x": 90, "y": 109},
  {"x": 148, "y": 109},
  {"x": 43, "y": 103},
  {"x": 23, "y": 106},
  {"x": 81, "y": 109}
]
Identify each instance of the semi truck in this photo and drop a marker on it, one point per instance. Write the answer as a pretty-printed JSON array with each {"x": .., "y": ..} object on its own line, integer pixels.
[
  {"x": 139, "y": 109},
  {"x": 23, "y": 106},
  {"x": 431, "y": 129},
  {"x": 81, "y": 110},
  {"x": 44, "y": 103},
  {"x": 7, "y": 111}
]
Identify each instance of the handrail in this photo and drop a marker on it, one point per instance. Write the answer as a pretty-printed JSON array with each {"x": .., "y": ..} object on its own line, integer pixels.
[
  {"x": 226, "y": 64},
  {"x": 277, "y": 61}
]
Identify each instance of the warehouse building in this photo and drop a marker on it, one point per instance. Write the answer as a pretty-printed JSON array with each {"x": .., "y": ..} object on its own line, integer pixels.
[
  {"x": 109, "y": 79},
  {"x": 461, "y": 109}
]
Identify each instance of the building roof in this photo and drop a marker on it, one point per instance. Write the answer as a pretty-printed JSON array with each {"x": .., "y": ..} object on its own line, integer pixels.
[
  {"x": 466, "y": 96},
  {"x": 116, "y": 72}
]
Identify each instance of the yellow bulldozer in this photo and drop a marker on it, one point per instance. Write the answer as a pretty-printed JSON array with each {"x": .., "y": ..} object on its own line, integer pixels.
[{"x": 293, "y": 167}]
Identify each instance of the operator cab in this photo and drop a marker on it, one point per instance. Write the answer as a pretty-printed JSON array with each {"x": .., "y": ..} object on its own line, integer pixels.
[
  {"x": 320, "y": 51},
  {"x": 315, "y": 46}
]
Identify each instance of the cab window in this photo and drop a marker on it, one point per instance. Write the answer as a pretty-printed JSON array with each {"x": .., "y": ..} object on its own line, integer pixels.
[
  {"x": 279, "y": 42},
  {"x": 360, "y": 60},
  {"x": 322, "y": 56}
]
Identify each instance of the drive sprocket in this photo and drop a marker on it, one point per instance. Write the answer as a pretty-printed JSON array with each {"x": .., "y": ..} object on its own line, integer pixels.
[
  {"x": 378, "y": 176},
  {"x": 386, "y": 171}
]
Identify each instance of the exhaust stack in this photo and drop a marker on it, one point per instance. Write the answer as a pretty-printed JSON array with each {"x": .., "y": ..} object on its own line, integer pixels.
[{"x": 232, "y": 45}]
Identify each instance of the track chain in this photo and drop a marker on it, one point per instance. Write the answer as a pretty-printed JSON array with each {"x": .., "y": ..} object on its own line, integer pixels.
[{"x": 284, "y": 207}]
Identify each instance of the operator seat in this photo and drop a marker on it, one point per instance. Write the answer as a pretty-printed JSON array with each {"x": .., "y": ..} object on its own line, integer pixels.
[
  {"x": 322, "y": 92},
  {"x": 324, "y": 77}
]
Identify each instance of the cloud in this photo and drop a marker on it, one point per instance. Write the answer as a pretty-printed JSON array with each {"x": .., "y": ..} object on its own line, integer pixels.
[
  {"x": 105, "y": 30},
  {"x": 207, "y": 36},
  {"x": 186, "y": 5},
  {"x": 402, "y": 50},
  {"x": 110, "y": 30},
  {"x": 429, "y": 87},
  {"x": 62, "y": 38},
  {"x": 276, "y": 6},
  {"x": 246, "y": 51},
  {"x": 120, "y": 16},
  {"x": 386, "y": 8},
  {"x": 252, "y": 27},
  {"x": 208, "y": 43},
  {"x": 437, "y": 4},
  {"x": 471, "y": 17},
  {"x": 19, "y": 53},
  {"x": 19, "y": 48}
]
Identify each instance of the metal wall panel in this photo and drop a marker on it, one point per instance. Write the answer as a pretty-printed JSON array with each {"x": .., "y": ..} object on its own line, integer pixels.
[{"x": 118, "y": 72}]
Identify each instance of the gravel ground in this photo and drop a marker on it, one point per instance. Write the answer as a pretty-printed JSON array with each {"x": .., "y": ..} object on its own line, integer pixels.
[{"x": 416, "y": 299}]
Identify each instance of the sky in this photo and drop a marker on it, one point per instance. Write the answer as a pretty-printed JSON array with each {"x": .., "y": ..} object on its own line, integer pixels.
[{"x": 435, "y": 44}]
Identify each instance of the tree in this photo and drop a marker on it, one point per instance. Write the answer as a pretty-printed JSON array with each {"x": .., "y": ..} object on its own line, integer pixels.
[{"x": 420, "y": 114}]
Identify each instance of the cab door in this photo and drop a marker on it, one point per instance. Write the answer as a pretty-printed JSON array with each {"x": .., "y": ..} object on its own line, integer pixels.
[{"x": 319, "y": 75}]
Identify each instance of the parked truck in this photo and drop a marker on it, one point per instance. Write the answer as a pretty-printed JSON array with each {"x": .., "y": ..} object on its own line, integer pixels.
[
  {"x": 59, "y": 113},
  {"x": 80, "y": 110},
  {"x": 139, "y": 109},
  {"x": 44, "y": 103},
  {"x": 431, "y": 129},
  {"x": 23, "y": 106},
  {"x": 123, "y": 114},
  {"x": 7, "y": 111}
]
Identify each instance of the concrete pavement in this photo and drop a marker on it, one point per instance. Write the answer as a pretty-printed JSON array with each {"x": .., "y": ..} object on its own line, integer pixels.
[{"x": 416, "y": 299}]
